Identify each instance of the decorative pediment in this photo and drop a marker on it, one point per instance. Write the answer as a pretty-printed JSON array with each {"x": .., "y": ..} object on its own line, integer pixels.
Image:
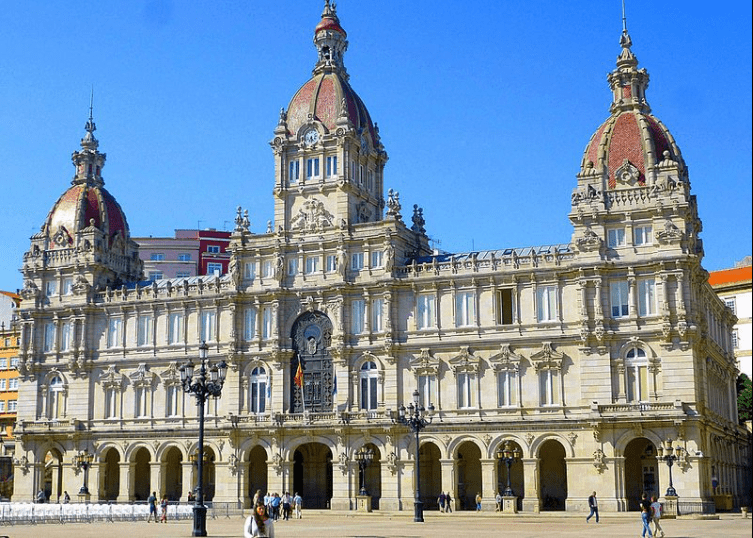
[
  {"x": 111, "y": 377},
  {"x": 312, "y": 217},
  {"x": 547, "y": 358},
  {"x": 465, "y": 362},
  {"x": 505, "y": 360},
  {"x": 141, "y": 376},
  {"x": 171, "y": 376},
  {"x": 425, "y": 363}
]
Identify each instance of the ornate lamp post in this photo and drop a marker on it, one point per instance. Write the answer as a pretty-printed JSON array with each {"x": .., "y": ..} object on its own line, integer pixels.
[
  {"x": 364, "y": 456},
  {"x": 208, "y": 382},
  {"x": 416, "y": 418},
  {"x": 508, "y": 456},
  {"x": 669, "y": 454},
  {"x": 83, "y": 460}
]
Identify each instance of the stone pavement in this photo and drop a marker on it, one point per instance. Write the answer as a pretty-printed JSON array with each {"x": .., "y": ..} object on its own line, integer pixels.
[{"x": 335, "y": 524}]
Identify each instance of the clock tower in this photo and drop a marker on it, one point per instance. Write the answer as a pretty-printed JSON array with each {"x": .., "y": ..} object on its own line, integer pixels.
[{"x": 329, "y": 159}]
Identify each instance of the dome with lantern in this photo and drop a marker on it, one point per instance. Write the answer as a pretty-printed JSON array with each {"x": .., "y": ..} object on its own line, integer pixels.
[
  {"x": 327, "y": 97},
  {"x": 630, "y": 145},
  {"x": 86, "y": 204}
]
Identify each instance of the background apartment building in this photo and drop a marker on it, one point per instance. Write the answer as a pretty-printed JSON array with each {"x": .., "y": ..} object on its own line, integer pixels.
[
  {"x": 733, "y": 286},
  {"x": 189, "y": 253}
]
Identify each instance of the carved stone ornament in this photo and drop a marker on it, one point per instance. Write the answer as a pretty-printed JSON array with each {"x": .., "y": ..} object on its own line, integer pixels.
[
  {"x": 392, "y": 463},
  {"x": 465, "y": 361},
  {"x": 547, "y": 358},
  {"x": 670, "y": 234},
  {"x": 425, "y": 363},
  {"x": 393, "y": 205},
  {"x": 627, "y": 174},
  {"x": 572, "y": 437},
  {"x": 589, "y": 241},
  {"x": 505, "y": 360},
  {"x": 312, "y": 217},
  {"x": 598, "y": 460}
]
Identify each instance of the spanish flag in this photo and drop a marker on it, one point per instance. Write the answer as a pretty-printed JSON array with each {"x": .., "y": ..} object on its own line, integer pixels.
[{"x": 298, "y": 379}]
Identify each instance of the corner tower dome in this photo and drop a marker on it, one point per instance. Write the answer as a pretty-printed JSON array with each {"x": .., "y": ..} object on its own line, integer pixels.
[
  {"x": 327, "y": 97},
  {"x": 629, "y": 146},
  {"x": 87, "y": 203}
]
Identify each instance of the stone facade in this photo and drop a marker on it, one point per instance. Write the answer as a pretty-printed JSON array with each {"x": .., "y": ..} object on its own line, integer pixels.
[{"x": 584, "y": 356}]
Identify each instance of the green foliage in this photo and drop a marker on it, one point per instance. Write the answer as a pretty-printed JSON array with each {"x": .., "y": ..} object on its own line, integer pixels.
[{"x": 744, "y": 397}]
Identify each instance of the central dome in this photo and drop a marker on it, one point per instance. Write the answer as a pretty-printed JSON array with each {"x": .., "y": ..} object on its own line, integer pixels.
[{"x": 328, "y": 97}]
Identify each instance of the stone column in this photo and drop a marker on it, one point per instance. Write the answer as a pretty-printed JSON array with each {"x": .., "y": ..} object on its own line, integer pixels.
[
  {"x": 531, "y": 501},
  {"x": 125, "y": 484},
  {"x": 342, "y": 478},
  {"x": 488, "y": 484},
  {"x": 155, "y": 478}
]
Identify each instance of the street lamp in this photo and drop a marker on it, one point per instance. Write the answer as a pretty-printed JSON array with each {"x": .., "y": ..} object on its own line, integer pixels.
[
  {"x": 508, "y": 456},
  {"x": 669, "y": 454},
  {"x": 83, "y": 460},
  {"x": 364, "y": 456},
  {"x": 208, "y": 382},
  {"x": 416, "y": 418}
]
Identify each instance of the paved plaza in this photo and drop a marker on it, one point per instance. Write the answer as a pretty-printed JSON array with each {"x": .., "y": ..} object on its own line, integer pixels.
[{"x": 332, "y": 524}]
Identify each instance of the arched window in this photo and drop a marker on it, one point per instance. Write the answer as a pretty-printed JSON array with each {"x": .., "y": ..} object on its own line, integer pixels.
[
  {"x": 56, "y": 398},
  {"x": 636, "y": 375},
  {"x": 258, "y": 392},
  {"x": 369, "y": 377}
]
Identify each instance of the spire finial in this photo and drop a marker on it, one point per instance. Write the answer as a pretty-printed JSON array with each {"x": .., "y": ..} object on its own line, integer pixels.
[
  {"x": 624, "y": 19},
  {"x": 90, "y": 126}
]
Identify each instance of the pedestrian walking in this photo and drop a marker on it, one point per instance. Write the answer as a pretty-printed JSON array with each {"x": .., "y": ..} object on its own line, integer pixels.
[
  {"x": 152, "y": 502},
  {"x": 594, "y": 506},
  {"x": 646, "y": 516},
  {"x": 448, "y": 503},
  {"x": 656, "y": 516},
  {"x": 478, "y": 502},
  {"x": 259, "y": 524},
  {"x": 441, "y": 500},
  {"x": 297, "y": 502},
  {"x": 498, "y": 500},
  {"x": 66, "y": 497},
  {"x": 163, "y": 509},
  {"x": 286, "y": 502},
  {"x": 275, "y": 502}
]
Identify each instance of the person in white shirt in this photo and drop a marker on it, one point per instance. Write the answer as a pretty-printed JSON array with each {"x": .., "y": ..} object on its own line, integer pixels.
[{"x": 259, "y": 524}]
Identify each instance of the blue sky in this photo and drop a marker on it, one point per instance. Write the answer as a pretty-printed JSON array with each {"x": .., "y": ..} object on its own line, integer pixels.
[{"x": 484, "y": 107}]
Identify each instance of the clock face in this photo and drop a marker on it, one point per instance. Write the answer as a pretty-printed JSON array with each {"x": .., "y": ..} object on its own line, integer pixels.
[{"x": 311, "y": 137}]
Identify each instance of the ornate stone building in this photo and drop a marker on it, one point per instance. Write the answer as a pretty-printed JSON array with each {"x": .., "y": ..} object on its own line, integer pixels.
[{"x": 585, "y": 356}]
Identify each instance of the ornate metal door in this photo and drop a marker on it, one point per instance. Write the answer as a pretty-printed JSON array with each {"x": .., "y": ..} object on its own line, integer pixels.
[{"x": 312, "y": 337}]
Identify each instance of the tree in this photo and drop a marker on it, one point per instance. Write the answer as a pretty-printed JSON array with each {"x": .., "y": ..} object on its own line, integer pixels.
[{"x": 744, "y": 397}]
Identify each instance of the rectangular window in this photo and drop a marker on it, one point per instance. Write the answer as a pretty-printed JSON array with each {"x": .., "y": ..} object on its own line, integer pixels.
[
  {"x": 184, "y": 257},
  {"x": 12, "y": 405},
  {"x": 172, "y": 399},
  {"x": 370, "y": 180},
  {"x": 312, "y": 265},
  {"x": 111, "y": 406},
  {"x": 4, "y": 363},
  {"x": 356, "y": 261},
  {"x": 427, "y": 388},
  {"x": 268, "y": 269},
  {"x": 51, "y": 288},
  {"x": 376, "y": 258},
  {"x": 114, "y": 332},
  {"x": 175, "y": 330},
  {"x": 155, "y": 275},
  {"x": 618, "y": 293},
  {"x": 182, "y": 274},
  {"x": 140, "y": 402},
  {"x": 213, "y": 249},
  {"x": 637, "y": 383},
  {"x": 615, "y": 237},
  {"x": 249, "y": 271},
  {"x": 67, "y": 286},
  {"x": 646, "y": 297},
  {"x": 214, "y": 268},
  {"x": 249, "y": 324},
  {"x": 208, "y": 326},
  {"x": 546, "y": 303},
  {"x": 2, "y": 406},
  {"x": 506, "y": 388},
  {"x": 294, "y": 171},
  {"x": 3, "y": 384},
  {"x": 66, "y": 336},
  {"x": 505, "y": 306},
  {"x": 465, "y": 308},
  {"x": 14, "y": 362},
  {"x": 369, "y": 393},
  {"x": 357, "y": 315},
  {"x": 731, "y": 303},
  {"x": 258, "y": 396},
  {"x": 293, "y": 266},
  {"x": 426, "y": 313},
  {"x": 157, "y": 256},
  {"x": 49, "y": 336},
  {"x": 312, "y": 167},
  {"x": 144, "y": 332},
  {"x": 642, "y": 235},
  {"x": 360, "y": 174},
  {"x": 465, "y": 391},
  {"x": 13, "y": 384},
  {"x": 266, "y": 332},
  {"x": 331, "y": 166},
  {"x": 548, "y": 387},
  {"x": 331, "y": 265},
  {"x": 377, "y": 307},
  {"x": 735, "y": 339}
]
